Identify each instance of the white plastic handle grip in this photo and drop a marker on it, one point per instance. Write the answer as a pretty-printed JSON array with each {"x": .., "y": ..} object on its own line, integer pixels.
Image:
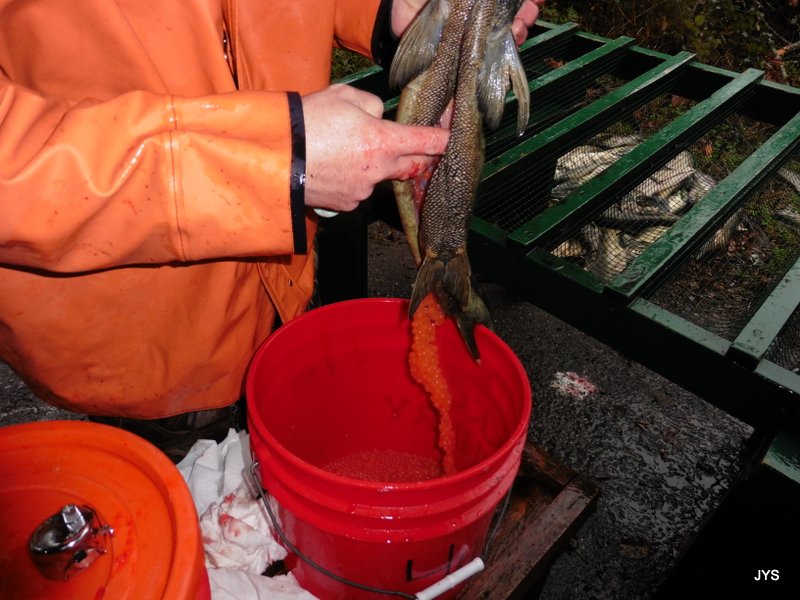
[
  {"x": 325, "y": 213},
  {"x": 452, "y": 580}
]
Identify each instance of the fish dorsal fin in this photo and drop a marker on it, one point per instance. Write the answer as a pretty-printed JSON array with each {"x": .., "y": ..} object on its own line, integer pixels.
[
  {"x": 501, "y": 70},
  {"x": 418, "y": 45}
]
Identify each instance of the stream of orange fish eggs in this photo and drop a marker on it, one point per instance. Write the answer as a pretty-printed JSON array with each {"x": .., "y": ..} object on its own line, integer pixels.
[{"x": 425, "y": 366}]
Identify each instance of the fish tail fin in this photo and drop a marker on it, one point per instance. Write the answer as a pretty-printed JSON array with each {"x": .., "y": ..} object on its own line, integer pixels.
[
  {"x": 501, "y": 69},
  {"x": 451, "y": 282},
  {"x": 430, "y": 273},
  {"x": 418, "y": 44},
  {"x": 475, "y": 313}
]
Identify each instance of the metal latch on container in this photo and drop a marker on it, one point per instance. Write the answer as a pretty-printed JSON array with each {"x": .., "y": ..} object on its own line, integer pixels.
[{"x": 69, "y": 542}]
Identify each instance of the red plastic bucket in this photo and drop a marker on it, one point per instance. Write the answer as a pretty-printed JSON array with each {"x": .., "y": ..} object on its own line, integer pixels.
[
  {"x": 155, "y": 550},
  {"x": 335, "y": 383}
]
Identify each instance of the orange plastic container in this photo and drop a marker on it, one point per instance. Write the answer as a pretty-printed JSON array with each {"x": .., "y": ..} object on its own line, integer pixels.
[
  {"x": 155, "y": 551},
  {"x": 335, "y": 384}
]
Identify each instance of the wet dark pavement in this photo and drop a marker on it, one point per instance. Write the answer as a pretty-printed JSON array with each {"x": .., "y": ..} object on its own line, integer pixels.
[{"x": 663, "y": 459}]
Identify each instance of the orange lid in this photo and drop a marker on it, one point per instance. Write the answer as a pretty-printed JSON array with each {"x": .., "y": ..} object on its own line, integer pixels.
[{"x": 155, "y": 550}]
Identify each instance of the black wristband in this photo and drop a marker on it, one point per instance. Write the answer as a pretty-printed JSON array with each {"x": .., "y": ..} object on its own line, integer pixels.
[
  {"x": 384, "y": 42},
  {"x": 297, "y": 200}
]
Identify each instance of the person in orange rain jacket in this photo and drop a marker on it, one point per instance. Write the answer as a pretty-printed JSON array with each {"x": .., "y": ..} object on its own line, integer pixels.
[{"x": 157, "y": 163}]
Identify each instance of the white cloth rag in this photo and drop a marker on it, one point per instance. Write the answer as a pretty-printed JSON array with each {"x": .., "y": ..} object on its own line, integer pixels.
[{"x": 237, "y": 536}]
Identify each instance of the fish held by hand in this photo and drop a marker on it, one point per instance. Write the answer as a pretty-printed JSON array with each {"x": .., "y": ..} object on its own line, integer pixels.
[{"x": 474, "y": 63}]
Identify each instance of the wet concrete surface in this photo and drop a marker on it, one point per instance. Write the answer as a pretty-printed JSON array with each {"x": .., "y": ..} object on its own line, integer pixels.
[
  {"x": 664, "y": 459},
  {"x": 19, "y": 405}
]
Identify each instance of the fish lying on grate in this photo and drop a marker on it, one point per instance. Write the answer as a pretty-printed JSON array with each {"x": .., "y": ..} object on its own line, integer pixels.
[
  {"x": 789, "y": 214},
  {"x": 613, "y": 238}
]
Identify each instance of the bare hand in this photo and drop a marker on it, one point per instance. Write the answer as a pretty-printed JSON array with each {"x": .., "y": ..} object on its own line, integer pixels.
[
  {"x": 526, "y": 17},
  {"x": 350, "y": 148},
  {"x": 403, "y": 12}
]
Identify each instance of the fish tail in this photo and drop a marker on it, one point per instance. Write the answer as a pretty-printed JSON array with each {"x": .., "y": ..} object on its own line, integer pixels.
[
  {"x": 450, "y": 280},
  {"x": 418, "y": 45},
  {"x": 467, "y": 319}
]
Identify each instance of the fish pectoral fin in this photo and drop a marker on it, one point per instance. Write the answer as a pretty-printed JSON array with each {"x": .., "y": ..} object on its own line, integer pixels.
[
  {"x": 519, "y": 81},
  {"x": 501, "y": 70},
  {"x": 418, "y": 44}
]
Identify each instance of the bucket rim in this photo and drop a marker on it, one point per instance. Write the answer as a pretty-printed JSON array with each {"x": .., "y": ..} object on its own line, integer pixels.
[{"x": 263, "y": 431}]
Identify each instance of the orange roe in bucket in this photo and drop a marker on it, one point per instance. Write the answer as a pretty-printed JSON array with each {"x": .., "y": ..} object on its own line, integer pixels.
[
  {"x": 386, "y": 465},
  {"x": 427, "y": 371}
]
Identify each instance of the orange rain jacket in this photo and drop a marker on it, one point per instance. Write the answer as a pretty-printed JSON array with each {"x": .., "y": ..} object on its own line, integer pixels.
[{"x": 146, "y": 229}]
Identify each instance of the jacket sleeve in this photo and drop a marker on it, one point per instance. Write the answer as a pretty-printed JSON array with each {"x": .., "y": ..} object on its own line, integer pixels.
[
  {"x": 358, "y": 21},
  {"x": 143, "y": 179}
]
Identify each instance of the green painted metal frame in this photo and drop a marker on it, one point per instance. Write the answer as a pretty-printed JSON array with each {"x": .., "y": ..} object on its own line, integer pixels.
[
  {"x": 687, "y": 235},
  {"x": 783, "y": 456},
  {"x": 733, "y": 375},
  {"x": 756, "y": 390},
  {"x": 639, "y": 163},
  {"x": 559, "y": 137},
  {"x": 546, "y": 88},
  {"x": 757, "y": 336}
]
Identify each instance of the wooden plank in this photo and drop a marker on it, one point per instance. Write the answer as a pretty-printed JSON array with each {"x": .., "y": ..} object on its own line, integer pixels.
[
  {"x": 547, "y": 504},
  {"x": 536, "y": 464}
]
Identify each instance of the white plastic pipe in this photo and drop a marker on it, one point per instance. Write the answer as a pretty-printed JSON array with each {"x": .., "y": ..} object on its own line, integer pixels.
[{"x": 452, "y": 580}]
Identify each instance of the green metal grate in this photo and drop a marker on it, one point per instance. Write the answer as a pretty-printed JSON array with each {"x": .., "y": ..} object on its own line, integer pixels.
[
  {"x": 715, "y": 313},
  {"x": 722, "y": 285},
  {"x": 785, "y": 348}
]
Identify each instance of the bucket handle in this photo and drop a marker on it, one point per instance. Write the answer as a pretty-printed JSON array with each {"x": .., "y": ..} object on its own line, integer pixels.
[{"x": 448, "y": 582}]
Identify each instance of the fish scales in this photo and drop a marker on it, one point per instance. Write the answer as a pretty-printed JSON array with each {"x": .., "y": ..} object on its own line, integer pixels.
[
  {"x": 475, "y": 63},
  {"x": 427, "y": 55},
  {"x": 448, "y": 204}
]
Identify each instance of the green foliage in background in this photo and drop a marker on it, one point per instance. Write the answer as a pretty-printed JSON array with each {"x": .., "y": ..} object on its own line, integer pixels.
[
  {"x": 731, "y": 34},
  {"x": 346, "y": 62}
]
